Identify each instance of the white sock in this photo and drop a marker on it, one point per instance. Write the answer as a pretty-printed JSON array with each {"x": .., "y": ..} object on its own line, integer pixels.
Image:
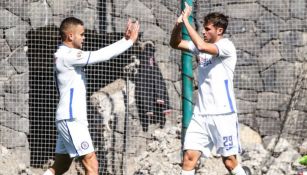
[
  {"x": 48, "y": 172},
  {"x": 191, "y": 172},
  {"x": 238, "y": 170}
]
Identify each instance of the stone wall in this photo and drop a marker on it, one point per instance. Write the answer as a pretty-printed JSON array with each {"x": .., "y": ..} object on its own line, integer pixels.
[
  {"x": 14, "y": 82},
  {"x": 270, "y": 77}
]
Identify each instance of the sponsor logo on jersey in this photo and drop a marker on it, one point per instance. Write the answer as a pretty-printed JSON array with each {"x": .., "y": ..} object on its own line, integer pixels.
[{"x": 204, "y": 61}]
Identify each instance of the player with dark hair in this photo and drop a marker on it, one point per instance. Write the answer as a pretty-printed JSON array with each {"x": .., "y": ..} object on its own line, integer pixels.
[
  {"x": 214, "y": 121},
  {"x": 73, "y": 139}
]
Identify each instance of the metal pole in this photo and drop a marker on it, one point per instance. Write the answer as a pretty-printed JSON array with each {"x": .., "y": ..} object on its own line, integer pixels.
[
  {"x": 129, "y": 70},
  {"x": 126, "y": 126},
  {"x": 187, "y": 79}
]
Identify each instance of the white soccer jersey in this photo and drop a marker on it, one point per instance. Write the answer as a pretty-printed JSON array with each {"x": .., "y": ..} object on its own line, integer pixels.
[
  {"x": 70, "y": 79},
  {"x": 215, "y": 79}
]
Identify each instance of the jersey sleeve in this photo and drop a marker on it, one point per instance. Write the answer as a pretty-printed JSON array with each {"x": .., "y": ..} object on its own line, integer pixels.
[
  {"x": 225, "y": 48},
  {"x": 78, "y": 57},
  {"x": 192, "y": 48}
]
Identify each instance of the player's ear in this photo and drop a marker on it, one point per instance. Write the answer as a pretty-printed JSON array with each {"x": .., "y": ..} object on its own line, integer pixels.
[
  {"x": 70, "y": 36},
  {"x": 220, "y": 31}
]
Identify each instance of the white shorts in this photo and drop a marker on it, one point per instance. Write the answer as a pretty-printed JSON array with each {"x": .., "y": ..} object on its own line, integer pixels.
[
  {"x": 73, "y": 138},
  {"x": 206, "y": 131}
]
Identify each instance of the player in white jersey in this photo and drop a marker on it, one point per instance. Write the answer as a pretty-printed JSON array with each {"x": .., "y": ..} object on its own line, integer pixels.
[
  {"x": 73, "y": 139},
  {"x": 214, "y": 121}
]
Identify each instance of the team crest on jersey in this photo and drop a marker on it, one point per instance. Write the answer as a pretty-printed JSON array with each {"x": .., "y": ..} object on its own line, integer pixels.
[
  {"x": 79, "y": 55},
  {"x": 84, "y": 145}
]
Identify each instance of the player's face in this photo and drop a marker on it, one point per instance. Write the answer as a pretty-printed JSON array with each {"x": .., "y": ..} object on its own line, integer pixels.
[
  {"x": 78, "y": 36},
  {"x": 211, "y": 33}
]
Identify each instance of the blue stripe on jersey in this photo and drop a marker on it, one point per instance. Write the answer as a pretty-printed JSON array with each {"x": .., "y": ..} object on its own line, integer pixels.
[
  {"x": 88, "y": 59},
  {"x": 228, "y": 95},
  {"x": 70, "y": 103},
  {"x": 56, "y": 81}
]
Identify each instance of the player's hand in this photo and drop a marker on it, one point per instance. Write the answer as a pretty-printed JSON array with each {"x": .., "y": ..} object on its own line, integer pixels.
[
  {"x": 186, "y": 12},
  {"x": 128, "y": 29},
  {"x": 179, "y": 19},
  {"x": 132, "y": 30},
  {"x": 135, "y": 31}
]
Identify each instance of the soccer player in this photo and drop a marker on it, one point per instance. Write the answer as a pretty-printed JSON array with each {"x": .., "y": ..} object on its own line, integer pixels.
[
  {"x": 73, "y": 139},
  {"x": 214, "y": 121}
]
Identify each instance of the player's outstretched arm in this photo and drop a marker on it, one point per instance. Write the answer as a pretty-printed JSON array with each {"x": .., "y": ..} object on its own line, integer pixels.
[{"x": 111, "y": 51}]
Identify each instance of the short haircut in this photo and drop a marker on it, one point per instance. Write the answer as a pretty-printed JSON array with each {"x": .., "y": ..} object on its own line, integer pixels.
[
  {"x": 217, "y": 19},
  {"x": 67, "y": 23}
]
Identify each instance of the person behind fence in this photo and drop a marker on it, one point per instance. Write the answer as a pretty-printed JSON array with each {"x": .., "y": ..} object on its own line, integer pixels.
[
  {"x": 214, "y": 121},
  {"x": 73, "y": 137},
  {"x": 151, "y": 92}
]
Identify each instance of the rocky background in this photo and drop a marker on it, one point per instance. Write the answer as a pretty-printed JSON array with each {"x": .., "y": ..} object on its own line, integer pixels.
[{"x": 270, "y": 82}]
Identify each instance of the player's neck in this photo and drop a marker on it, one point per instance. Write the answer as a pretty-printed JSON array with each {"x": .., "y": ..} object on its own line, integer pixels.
[
  {"x": 218, "y": 38},
  {"x": 68, "y": 44}
]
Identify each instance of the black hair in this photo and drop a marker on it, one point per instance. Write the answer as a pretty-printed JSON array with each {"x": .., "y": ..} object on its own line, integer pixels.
[
  {"x": 67, "y": 23},
  {"x": 217, "y": 19}
]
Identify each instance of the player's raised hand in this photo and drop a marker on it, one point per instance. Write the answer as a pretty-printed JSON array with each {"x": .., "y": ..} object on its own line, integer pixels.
[
  {"x": 187, "y": 11},
  {"x": 135, "y": 31},
  {"x": 179, "y": 19},
  {"x": 128, "y": 29},
  {"x": 132, "y": 30}
]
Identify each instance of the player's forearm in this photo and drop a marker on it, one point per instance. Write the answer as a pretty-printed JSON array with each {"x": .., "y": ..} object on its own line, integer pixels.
[
  {"x": 197, "y": 40},
  {"x": 176, "y": 36},
  {"x": 110, "y": 51}
]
